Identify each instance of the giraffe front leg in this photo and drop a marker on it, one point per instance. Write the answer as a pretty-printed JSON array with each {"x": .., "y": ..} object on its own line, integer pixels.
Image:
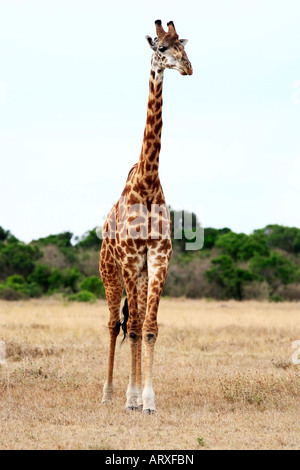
[
  {"x": 158, "y": 262},
  {"x": 148, "y": 393},
  {"x": 150, "y": 332},
  {"x": 130, "y": 275},
  {"x": 142, "y": 308},
  {"x": 139, "y": 374}
]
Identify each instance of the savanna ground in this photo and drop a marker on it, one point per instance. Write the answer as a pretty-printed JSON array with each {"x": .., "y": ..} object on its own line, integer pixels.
[{"x": 224, "y": 378}]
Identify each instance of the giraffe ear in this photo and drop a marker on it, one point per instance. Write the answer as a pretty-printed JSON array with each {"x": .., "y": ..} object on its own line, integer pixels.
[
  {"x": 183, "y": 42},
  {"x": 152, "y": 44}
]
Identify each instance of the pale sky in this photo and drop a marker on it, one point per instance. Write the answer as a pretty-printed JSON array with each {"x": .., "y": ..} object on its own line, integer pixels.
[{"x": 73, "y": 97}]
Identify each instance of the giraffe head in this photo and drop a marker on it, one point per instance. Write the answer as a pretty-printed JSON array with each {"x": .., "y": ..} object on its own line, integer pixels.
[{"x": 169, "y": 49}]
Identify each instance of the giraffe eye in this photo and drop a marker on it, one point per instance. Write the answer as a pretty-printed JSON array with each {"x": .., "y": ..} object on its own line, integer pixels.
[{"x": 162, "y": 49}]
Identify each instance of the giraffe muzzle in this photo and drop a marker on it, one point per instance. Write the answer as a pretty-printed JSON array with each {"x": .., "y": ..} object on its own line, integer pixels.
[
  {"x": 187, "y": 71},
  {"x": 186, "y": 68}
]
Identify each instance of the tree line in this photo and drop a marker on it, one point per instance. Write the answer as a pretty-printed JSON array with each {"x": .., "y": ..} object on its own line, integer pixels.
[{"x": 262, "y": 265}]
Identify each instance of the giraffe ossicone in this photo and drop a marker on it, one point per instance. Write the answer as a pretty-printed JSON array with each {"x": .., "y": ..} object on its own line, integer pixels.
[{"x": 136, "y": 247}]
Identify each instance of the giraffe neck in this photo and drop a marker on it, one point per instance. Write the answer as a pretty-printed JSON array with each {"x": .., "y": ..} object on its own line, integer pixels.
[{"x": 149, "y": 158}]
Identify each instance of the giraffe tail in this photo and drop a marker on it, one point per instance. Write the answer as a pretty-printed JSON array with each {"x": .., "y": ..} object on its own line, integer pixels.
[{"x": 125, "y": 313}]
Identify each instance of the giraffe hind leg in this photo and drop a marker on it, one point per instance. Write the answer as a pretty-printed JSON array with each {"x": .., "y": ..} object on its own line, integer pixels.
[
  {"x": 114, "y": 287},
  {"x": 130, "y": 275}
]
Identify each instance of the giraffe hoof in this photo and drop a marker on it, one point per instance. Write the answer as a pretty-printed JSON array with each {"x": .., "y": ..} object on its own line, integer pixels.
[
  {"x": 149, "y": 412},
  {"x": 131, "y": 408},
  {"x": 107, "y": 403}
]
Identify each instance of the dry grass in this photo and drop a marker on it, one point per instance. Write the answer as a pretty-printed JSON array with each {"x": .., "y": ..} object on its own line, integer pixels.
[{"x": 223, "y": 378}]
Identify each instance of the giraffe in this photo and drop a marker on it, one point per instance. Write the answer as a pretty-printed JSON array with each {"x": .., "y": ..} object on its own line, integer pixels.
[{"x": 136, "y": 246}]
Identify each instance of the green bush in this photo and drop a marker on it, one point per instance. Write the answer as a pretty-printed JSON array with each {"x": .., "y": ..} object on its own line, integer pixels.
[
  {"x": 17, "y": 258},
  {"x": 34, "y": 290},
  {"x": 90, "y": 240},
  {"x": 61, "y": 240},
  {"x": 8, "y": 293},
  {"x": 231, "y": 243},
  {"x": 228, "y": 277},
  {"x": 276, "y": 298},
  {"x": 211, "y": 235},
  {"x": 15, "y": 285},
  {"x": 16, "y": 282},
  {"x": 285, "y": 238},
  {"x": 71, "y": 278},
  {"x": 275, "y": 268},
  {"x": 243, "y": 247},
  {"x": 95, "y": 285},
  {"x": 55, "y": 280},
  {"x": 69, "y": 254},
  {"x": 4, "y": 234},
  {"x": 40, "y": 276},
  {"x": 82, "y": 296},
  {"x": 254, "y": 244}
]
